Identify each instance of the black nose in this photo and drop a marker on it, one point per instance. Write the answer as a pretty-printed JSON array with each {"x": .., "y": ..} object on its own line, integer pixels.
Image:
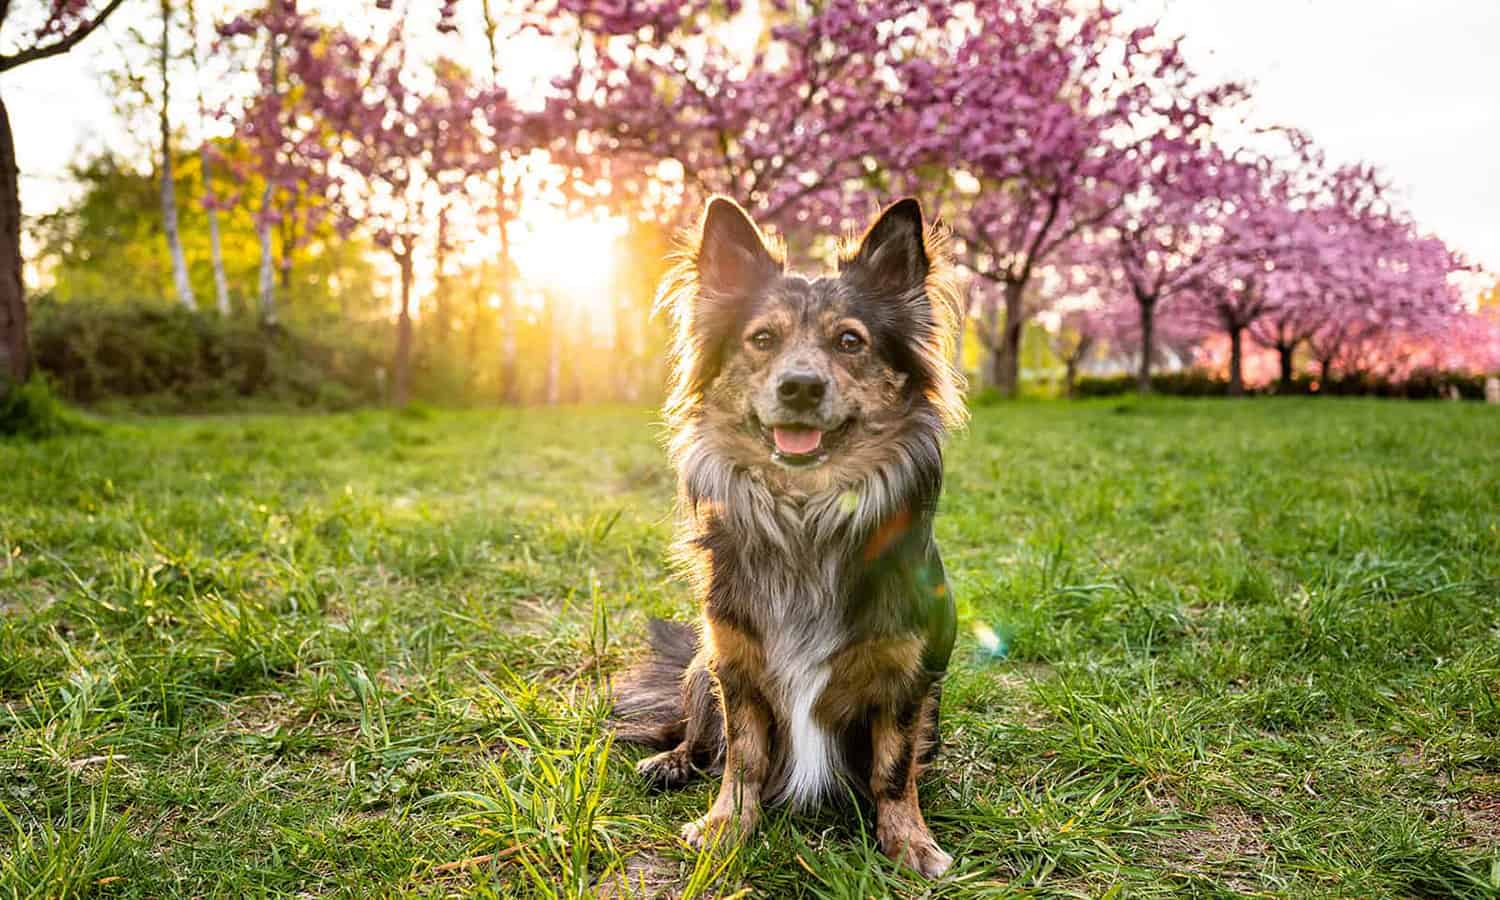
[{"x": 801, "y": 390}]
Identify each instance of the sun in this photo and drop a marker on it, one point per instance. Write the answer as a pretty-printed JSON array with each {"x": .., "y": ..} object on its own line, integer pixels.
[{"x": 569, "y": 259}]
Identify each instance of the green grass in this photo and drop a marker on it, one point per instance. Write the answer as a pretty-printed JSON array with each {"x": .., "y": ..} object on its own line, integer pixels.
[{"x": 1254, "y": 648}]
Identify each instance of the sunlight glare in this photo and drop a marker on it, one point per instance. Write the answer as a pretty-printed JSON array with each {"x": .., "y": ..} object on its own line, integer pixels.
[{"x": 573, "y": 259}]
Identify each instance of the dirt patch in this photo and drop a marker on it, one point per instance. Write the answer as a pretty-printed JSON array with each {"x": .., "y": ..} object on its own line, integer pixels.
[
  {"x": 1224, "y": 849},
  {"x": 647, "y": 874},
  {"x": 1481, "y": 817}
]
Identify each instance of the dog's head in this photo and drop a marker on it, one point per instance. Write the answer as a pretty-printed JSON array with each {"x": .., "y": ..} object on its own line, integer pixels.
[{"x": 802, "y": 373}]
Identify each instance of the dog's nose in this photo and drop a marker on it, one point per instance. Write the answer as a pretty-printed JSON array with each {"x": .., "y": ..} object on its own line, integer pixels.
[{"x": 801, "y": 390}]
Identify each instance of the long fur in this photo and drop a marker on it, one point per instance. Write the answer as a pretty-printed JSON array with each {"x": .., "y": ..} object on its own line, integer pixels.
[{"x": 806, "y": 551}]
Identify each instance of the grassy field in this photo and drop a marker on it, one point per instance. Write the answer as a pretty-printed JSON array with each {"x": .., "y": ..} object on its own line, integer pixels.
[{"x": 1253, "y": 648}]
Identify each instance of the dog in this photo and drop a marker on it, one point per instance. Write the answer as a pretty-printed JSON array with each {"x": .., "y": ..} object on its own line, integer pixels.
[{"x": 805, "y": 418}]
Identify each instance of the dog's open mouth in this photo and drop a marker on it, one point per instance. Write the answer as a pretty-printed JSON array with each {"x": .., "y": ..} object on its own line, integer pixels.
[{"x": 801, "y": 445}]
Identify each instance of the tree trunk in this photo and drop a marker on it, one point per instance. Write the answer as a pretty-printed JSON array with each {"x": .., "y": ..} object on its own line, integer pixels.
[
  {"x": 267, "y": 261},
  {"x": 401, "y": 365},
  {"x": 169, "y": 224},
  {"x": 1070, "y": 377},
  {"x": 1236, "y": 361},
  {"x": 215, "y": 245},
  {"x": 1325, "y": 372},
  {"x": 554, "y": 352},
  {"x": 15, "y": 351},
  {"x": 1285, "y": 352},
  {"x": 1148, "y": 343},
  {"x": 287, "y": 234},
  {"x": 1007, "y": 359},
  {"x": 441, "y": 324},
  {"x": 510, "y": 389},
  {"x": 263, "y": 227},
  {"x": 960, "y": 327}
]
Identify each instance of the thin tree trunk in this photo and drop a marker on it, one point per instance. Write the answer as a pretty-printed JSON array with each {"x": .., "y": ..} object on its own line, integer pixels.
[
  {"x": 169, "y": 223},
  {"x": 1008, "y": 357},
  {"x": 267, "y": 261},
  {"x": 210, "y": 211},
  {"x": 1148, "y": 342},
  {"x": 1236, "y": 361},
  {"x": 1070, "y": 377},
  {"x": 554, "y": 352},
  {"x": 401, "y": 365},
  {"x": 287, "y": 233},
  {"x": 960, "y": 327},
  {"x": 510, "y": 388},
  {"x": 263, "y": 227},
  {"x": 1325, "y": 372},
  {"x": 510, "y": 392},
  {"x": 15, "y": 350},
  {"x": 441, "y": 324},
  {"x": 215, "y": 245},
  {"x": 1285, "y": 352},
  {"x": 989, "y": 325}
]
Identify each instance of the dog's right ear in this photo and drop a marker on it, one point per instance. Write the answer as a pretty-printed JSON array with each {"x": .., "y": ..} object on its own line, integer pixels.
[{"x": 732, "y": 258}]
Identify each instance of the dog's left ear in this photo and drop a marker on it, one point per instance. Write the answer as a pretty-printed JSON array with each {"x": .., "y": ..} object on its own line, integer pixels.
[{"x": 892, "y": 255}]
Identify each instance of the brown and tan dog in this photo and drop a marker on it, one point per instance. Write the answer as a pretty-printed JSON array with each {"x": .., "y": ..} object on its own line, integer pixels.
[{"x": 806, "y": 423}]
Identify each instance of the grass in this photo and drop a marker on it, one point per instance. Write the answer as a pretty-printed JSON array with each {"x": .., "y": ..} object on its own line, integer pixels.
[{"x": 1253, "y": 648}]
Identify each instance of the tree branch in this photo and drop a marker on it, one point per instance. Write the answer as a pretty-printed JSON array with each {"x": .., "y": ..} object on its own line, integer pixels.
[{"x": 63, "y": 45}]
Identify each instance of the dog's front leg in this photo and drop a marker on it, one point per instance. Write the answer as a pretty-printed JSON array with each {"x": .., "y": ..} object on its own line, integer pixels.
[
  {"x": 899, "y": 825},
  {"x": 737, "y": 664}
]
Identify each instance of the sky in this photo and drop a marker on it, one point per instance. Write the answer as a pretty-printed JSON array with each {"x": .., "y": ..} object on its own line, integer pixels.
[{"x": 1409, "y": 85}]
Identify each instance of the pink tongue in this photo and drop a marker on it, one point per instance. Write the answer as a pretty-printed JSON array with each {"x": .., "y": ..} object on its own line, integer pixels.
[{"x": 797, "y": 441}]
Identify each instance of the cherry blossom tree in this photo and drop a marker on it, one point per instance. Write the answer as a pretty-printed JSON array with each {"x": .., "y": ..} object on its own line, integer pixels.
[
  {"x": 1168, "y": 232},
  {"x": 409, "y": 139},
  {"x": 29, "y": 32},
  {"x": 289, "y": 142},
  {"x": 662, "y": 111},
  {"x": 1046, "y": 117}
]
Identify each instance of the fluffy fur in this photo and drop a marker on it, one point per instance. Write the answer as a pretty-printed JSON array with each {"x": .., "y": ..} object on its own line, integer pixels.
[{"x": 827, "y": 622}]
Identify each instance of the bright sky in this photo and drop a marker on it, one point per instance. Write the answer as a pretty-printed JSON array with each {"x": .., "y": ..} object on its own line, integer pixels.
[
  {"x": 1410, "y": 85},
  {"x": 1406, "y": 84}
]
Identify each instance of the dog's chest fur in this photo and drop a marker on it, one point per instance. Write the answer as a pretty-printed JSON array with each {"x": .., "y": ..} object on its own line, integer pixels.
[{"x": 784, "y": 571}]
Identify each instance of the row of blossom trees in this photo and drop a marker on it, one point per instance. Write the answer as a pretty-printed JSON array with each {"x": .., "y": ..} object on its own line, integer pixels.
[{"x": 1077, "y": 158}]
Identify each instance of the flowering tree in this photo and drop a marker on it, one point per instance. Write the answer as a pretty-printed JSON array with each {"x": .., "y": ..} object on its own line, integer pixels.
[
  {"x": 1169, "y": 232},
  {"x": 660, "y": 110},
  {"x": 288, "y": 139},
  {"x": 406, "y": 146},
  {"x": 34, "y": 32},
  {"x": 1047, "y": 117}
]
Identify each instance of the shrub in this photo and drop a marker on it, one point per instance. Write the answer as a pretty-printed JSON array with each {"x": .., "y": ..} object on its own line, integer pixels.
[
  {"x": 1423, "y": 384},
  {"x": 32, "y": 410},
  {"x": 1187, "y": 383},
  {"x": 168, "y": 359}
]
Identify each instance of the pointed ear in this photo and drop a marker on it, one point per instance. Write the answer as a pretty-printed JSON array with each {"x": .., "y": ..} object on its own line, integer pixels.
[
  {"x": 732, "y": 258},
  {"x": 892, "y": 255}
]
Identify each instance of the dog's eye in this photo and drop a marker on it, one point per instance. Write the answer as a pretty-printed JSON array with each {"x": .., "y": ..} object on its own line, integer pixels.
[
  {"x": 763, "y": 340},
  {"x": 850, "y": 342}
]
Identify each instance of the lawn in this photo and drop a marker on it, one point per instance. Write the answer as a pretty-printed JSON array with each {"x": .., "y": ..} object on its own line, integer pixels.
[{"x": 1253, "y": 647}]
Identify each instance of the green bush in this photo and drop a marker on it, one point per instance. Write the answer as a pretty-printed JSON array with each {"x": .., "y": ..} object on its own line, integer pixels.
[
  {"x": 1187, "y": 383},
  {"x": 167, "y": 359},
  {"x": 32, "y": 410},
  {"x": 1423, "y": 384}
]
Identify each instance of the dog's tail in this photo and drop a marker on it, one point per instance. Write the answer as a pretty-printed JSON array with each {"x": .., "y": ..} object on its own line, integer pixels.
[{"x": 650, "y": 700}]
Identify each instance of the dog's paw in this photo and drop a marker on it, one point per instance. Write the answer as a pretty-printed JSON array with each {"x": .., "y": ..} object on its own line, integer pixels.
[
  {"x": 918, "y": 852},
  {"x": 712, "y": 829},
  {"x": 666, "y": 771}
]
